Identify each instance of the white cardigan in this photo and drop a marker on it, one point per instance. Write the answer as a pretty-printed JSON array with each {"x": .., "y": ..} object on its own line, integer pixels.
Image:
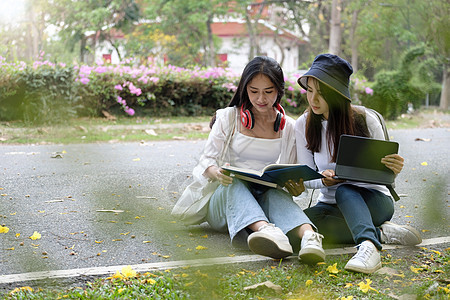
[
  {"x": 226, "y": 120},
  {"x": 322, "y": 159}
]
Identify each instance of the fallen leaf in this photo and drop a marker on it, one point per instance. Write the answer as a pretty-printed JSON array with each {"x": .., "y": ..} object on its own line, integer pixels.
[
  {"x": 415, "y": 270},
  {"x": 52, "y": 201},
  {"x": 265, "y": 284},
  {"x": 110, "y": 210},
  {"x": 150, "y": 132},
  {"x": 56, "y": 155},
  {"x": 24, "y": 288},
  {"x": 424, "y": 163},
  {"x": 200, "y": 248}
]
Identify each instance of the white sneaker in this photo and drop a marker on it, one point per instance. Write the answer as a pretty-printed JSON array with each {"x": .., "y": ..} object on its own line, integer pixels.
[
  {"x": 392, "y": 233},
  {"x": 311, "y": 251},
  {"x": 366, "y": 260},
  {"x": 270, "y": 241}
]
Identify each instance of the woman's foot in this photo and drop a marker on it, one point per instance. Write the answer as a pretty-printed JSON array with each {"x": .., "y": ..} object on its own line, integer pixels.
[
  {"x": 270, "y": 241},
  {"x": 311, "y": 251},
  {"x": 392, "y": 233},
  {"x": 367, "y": 260}
]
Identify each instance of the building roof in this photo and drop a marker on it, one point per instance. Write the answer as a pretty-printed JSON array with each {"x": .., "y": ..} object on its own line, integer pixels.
[{"x": 239, "y": 29}]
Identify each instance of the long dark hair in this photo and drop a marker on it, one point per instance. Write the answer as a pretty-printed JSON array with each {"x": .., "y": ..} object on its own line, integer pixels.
[
  {"x": 342, "y": 119},
  {"x": 259, "y": 65}
]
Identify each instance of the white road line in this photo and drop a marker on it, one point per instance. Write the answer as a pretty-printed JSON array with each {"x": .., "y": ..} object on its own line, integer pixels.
[{"x": 152, "y": 267}]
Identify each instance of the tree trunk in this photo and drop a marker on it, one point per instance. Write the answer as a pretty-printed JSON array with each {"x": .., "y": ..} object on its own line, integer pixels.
[
  {"x": 335, "y": 29},
  {"x": 82, "y": 49},
  {"x": 445, "y": 93},
  {"x": 282, "y": 48},
  {"x": 251, "y": 37},
  {"x": 211, "y": 53},
  {"x": 353, "y": 40}
]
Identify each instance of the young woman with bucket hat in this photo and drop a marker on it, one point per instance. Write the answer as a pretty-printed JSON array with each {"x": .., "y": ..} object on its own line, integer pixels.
[{"x": 346, "y": 211}]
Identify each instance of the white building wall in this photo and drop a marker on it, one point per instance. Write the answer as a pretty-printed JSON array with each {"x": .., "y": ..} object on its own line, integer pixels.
[
  {"x": 237, "y": 51},
  {"x": 106, "y": 48}
]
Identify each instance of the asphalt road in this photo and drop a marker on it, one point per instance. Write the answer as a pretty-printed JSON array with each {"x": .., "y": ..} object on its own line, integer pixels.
[{"x": 109, "y": 204}]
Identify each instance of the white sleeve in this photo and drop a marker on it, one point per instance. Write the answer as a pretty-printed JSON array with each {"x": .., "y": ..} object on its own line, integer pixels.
[
  {"x": 305, "y": 156},
  {"x": 374, "y": 126},
  {"x": 214, "y": 144}
]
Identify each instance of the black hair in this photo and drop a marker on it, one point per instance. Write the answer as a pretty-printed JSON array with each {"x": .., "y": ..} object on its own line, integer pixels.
[
  {"x": 342, "y": 119},
  {"x": 260, "y": 65}
]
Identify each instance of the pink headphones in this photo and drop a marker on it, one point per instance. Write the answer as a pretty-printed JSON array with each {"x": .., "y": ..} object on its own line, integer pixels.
[{"x": 248, "y": 120}]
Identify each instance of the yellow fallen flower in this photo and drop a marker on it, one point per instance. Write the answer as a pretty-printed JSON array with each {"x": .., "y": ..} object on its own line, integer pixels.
[
  {"x": 365, "y": 287},
  {"x": 4, "y": 229},
  {"x": 36, "y": 236}
]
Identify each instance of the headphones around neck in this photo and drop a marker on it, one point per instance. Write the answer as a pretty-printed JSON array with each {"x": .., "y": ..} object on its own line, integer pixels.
[{"x": 248, "y": 120}]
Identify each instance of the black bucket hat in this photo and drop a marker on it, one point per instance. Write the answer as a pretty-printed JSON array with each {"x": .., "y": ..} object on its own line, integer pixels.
[{"x": 331, "y": 70}]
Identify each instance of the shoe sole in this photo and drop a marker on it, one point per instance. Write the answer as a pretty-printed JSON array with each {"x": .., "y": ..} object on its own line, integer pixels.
[
  {"x": 414, "y": 231},
  {"x": 267, "y": 247},
  {"x": 363, "y": 270},
  {"x": 311, "y": 256}
]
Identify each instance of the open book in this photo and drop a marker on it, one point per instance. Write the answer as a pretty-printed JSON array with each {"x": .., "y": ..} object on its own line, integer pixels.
[{"x": 274, "y": 175}]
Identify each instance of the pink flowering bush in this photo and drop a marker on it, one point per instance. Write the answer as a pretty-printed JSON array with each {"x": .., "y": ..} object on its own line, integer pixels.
[
  {"x": 45, "y": 91},
  {"x": 154, "y": 90}
]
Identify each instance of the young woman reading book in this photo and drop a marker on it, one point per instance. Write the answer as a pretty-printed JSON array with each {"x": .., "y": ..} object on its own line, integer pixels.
[
  {"x": 346, "y": 212},
  {"x": 257, "y": 216}
]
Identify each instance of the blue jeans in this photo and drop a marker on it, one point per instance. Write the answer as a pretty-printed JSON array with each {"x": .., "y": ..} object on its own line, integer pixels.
[
  {"x": 354, "y": 218},
  {"x": 234, "y": 207}
]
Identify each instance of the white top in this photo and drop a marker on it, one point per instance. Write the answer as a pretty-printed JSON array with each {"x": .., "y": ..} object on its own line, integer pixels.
[
  {"x": 253, "y": 153},
  {"x": 322, "y": 159},
  {"x": 287, "y": 153}
]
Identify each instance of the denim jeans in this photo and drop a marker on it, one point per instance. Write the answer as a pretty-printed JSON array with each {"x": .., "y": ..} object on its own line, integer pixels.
[
  {"x": 234, "y": 207},
  {"x": 354, "y": 218}
]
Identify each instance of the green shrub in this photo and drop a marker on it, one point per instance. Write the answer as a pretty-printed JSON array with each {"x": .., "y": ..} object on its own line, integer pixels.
[
  {"x": 38, "y": 94},
  {"x": 394, "y": 90}
]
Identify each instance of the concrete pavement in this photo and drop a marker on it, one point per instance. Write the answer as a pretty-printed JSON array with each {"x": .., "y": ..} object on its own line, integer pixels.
[{"x": 103, "y": 205}]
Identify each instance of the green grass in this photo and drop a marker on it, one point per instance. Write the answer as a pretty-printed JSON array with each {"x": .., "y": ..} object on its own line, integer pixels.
[
  {"x": 423, "y": 273},
  {"x": 103, "y": 130},
  {"x": 127, "y": 129}
]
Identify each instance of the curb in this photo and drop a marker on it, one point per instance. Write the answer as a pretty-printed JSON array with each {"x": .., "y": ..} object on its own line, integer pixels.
[{"x": 152, "y": 267}]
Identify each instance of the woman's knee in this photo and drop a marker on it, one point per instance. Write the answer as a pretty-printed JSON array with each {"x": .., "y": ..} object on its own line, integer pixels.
[{"x": 346, "y": 192}]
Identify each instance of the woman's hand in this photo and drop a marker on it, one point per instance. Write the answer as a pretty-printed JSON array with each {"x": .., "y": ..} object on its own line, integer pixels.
[
  {"x": 219, "y": 174},
  {"x": 295, "y": 188},
  {"x": 393, "y": 162},
  {"x": 329, "y": 180}
]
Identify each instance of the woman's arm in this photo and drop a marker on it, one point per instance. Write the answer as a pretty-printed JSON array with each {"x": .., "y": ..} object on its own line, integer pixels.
[
  {"x": 305, "y": 156},
  {"x": 208, "y": 167}
]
